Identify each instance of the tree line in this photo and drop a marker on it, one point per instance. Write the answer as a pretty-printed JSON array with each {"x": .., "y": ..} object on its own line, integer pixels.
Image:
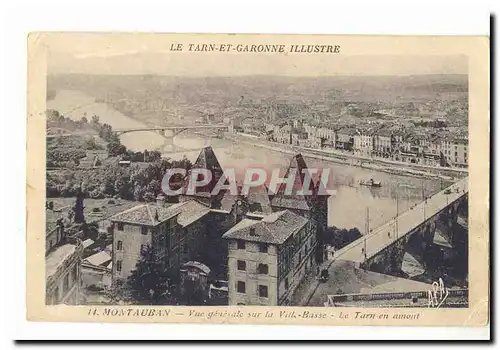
[{"x": 131, "y": 183}]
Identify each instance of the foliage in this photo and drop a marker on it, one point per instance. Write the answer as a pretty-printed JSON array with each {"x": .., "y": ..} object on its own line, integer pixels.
[
  {"x": 339, "y": 238},
  {"x": 134, "y": 182},
  {"x": 91, "y": 144},
  {"x": 147, "y": 282}
]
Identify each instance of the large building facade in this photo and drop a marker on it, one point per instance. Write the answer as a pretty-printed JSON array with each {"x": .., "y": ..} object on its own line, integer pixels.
[
  {"x": 174, "y": 235},
  {"x": 270, "y": 256}
]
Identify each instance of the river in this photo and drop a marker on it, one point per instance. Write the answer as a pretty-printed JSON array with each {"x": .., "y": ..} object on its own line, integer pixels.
[{"x": 347, "y": 207}]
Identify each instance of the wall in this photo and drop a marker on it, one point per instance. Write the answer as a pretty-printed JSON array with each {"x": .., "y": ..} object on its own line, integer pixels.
[
  {"x": 251, "y": 277},
  {"x": 55, "y": 292},
  {"x": 95, "y": 275},
  {"x": 53, "y": 238},
  {"x": 303, "y": 262},
  {"x": 132, "y": 239}
]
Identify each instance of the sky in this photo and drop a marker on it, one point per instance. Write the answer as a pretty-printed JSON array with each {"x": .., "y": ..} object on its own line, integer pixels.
[{"x": 151, "y": 54}]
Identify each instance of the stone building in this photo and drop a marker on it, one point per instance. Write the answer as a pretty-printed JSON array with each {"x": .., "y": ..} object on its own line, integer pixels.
[
  {"x": 63, "y": 257},
  {"x": 174, "y": 233},
  {"x": 269, "y": 256}
]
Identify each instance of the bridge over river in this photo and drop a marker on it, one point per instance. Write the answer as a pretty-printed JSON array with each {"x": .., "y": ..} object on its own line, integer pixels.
[
  {"x": 376, "y": 258},
  {"x": 170, "y": 132}
]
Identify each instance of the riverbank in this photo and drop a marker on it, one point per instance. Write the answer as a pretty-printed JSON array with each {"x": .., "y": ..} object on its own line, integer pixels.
[{"x": 384, "y": 165}]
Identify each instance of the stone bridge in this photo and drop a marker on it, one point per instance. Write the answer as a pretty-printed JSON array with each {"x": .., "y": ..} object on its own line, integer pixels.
[
  {"x": 170, "y": 132},
  {"x": 363, "y": 264}
]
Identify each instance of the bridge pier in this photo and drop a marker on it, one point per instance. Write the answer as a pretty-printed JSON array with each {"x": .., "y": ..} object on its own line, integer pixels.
[
  {"x": 417, "y": 243},
  {"x": 389, "y": 261}
]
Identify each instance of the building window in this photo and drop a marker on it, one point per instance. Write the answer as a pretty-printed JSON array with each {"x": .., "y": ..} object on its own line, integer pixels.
[
  {"x": 286, "y": 283},
  {"x": 241, "y": 244},
  {"x": 120, "y": 226},
  {"x": 66, "y": 284},
  {"x": 119, "y": 245},
  {"x": 240, "y": 287},
  {"x": 242, "y": 265},
  {"x": 262, "y": 291},
  {"x": 263, "y": 248},
  {"x": 118, "y": 265},
  {"x": 144, "y": 230},
  {"x": 263, "y": 269}
]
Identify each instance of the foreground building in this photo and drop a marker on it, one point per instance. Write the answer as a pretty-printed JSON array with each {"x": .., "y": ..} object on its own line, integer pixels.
[
  {"x": 174, "y": 234},
  {"x": 63, "y": 256},
  {"x": 269, "y": 258}
]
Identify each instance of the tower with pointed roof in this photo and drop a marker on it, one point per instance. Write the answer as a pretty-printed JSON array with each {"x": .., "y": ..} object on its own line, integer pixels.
[
  {"x": 313, "y": 207},
  {"x": 206, "y": 160}
]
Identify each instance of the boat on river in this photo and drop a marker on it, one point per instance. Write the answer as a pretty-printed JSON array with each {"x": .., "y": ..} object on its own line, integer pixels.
[{"x": 371, "y": 183}]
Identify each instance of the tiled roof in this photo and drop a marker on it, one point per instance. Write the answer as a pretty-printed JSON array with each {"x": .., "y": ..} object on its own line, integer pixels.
[
  {"x": 274, "y": 228},
  {"x": 190, "y": 212},
  {"x": 146, "y": 214},
  {"x": 347, "y": 131},
  {"x": 101, "y": 258},
  {"x": 290, "y": 202},
  {"x": 204, "y": 268},
  {"x": 87, "y": 243}
]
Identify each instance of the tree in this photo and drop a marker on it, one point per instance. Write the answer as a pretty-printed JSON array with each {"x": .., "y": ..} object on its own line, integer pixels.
[
  {"x": 122, "y": 187},
  {"x": 146, "y": 283},
  {"x": 95, "y": 119},
  {"x": 115, "y": 149},
  {"x": 91, "y": 144},
  {"x": 149, "y": 197},
  {"x": 84, "y": 120},
  {"x": 339, "y": 238},
  {"x": 153, "y": 156},
  {"x": 78, "y": 208},
  {"x": 154, "y": 187},
  {"x": 139, "y": 192}
]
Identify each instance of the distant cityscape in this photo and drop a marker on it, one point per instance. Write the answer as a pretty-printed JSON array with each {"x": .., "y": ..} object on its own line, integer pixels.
[{"x": 426, "y": 141}]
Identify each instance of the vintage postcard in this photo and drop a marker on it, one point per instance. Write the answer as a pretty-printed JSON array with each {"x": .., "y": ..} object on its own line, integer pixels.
[{"x": 260, "y": 179}]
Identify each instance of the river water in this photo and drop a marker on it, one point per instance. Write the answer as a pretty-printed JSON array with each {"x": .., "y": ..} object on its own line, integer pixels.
[{"x": 347, "y": 207}]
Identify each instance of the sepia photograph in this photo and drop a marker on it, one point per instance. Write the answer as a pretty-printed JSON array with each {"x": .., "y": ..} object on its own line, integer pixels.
[{"x": 214, "y": 171}]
